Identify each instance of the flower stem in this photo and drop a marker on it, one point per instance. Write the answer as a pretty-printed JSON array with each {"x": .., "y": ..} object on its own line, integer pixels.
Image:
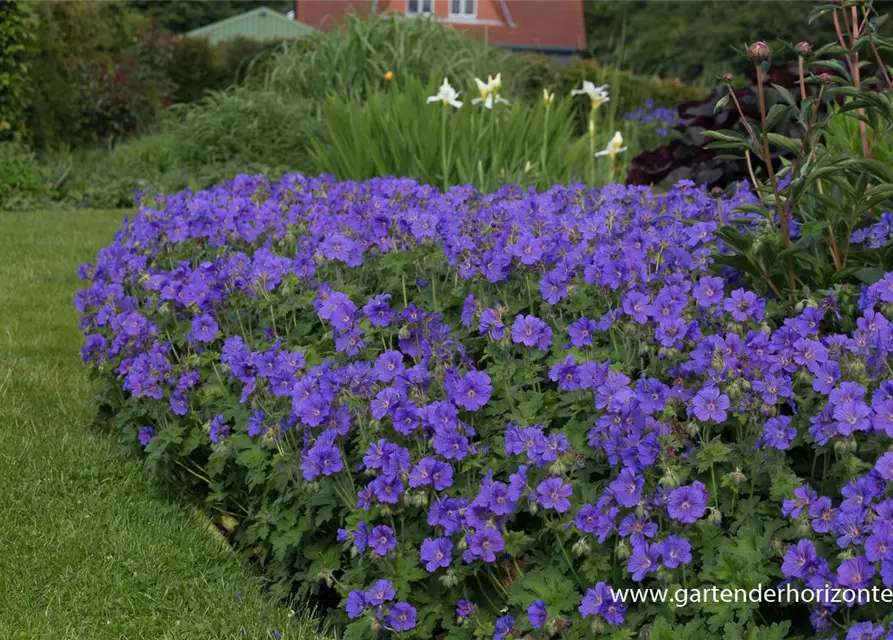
[
  {"x": 543, "y": 153},
  {"x": 592, "y": 149},
  {"x": 443, "y": 148},
  {"x": 767, "y": 158}
]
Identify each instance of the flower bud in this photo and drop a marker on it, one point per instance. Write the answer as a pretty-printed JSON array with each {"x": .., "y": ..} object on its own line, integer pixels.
[
  {"x": 449, "y": 579},
  {"x": 597, "y": 627},
  {"x": 558, "y": 467},
  {"x": 714, "y": 517},
  {"x": 758, "y": 52},
  {"x": 716, "y": 192},
  {"x": 776, "y": 544},
  {"x": 548, "y": 98},
  {"x": 416, "y": 498},
  {"x": 375, "y": 625},
  {"x": 738, "y": 476},
  {"x": 826, "y": 78},
  {"x": 841, "y": 447},
  {"x": 804, "y": 529},
  {"x": 581, "y": 547},
  {"x": 554, "y": 626},
  {"x": 728, "y": 78},
  {"x": 670, "y": 478},
  {"x": 621, "y": 550},
  {"x": 803, "y": 49}
]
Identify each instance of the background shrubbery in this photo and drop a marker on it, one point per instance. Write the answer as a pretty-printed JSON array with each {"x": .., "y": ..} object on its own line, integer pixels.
[
  {"x": 178, "y": 112},
  {"x": 698, "y": 41}
]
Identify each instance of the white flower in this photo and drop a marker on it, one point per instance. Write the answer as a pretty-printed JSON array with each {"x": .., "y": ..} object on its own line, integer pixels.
[
  {"x": 548, "y": 98},
  {"x": 614, "y": 147},
  {"x": 489, "y": 91},
  {"x": 598, "y": 95},
  {"x": 447, "y": 95}
]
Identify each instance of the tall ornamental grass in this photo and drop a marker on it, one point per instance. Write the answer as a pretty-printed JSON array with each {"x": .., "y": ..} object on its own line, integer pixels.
[{"x": 397, "y": 132}]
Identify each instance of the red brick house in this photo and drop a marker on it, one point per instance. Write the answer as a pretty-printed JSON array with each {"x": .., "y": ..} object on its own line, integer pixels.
[{"x": 549, "y": 26}]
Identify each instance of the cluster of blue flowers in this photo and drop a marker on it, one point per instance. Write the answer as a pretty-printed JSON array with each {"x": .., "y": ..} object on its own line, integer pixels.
[
  {"x": 662, "y": 118},
  {"x": 278, "y": 317},
  {"x": 877, "y": 235}
]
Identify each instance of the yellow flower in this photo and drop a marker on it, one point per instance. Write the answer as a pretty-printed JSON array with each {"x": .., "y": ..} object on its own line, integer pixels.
[{"x": 389, "y": 75}]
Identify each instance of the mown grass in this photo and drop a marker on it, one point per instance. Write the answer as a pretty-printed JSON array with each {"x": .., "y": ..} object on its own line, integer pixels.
[{"x": 89, "y": 549}]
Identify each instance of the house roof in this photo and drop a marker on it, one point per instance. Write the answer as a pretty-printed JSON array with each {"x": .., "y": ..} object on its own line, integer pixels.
[
  {"x": 549, "y": 25},
  {"x": 258, "y": 24},
  {"x": 555, "y": 26}
]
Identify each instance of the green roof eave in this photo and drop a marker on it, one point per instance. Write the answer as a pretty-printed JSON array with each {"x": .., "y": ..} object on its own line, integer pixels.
[{"x": 299, "y": 28}]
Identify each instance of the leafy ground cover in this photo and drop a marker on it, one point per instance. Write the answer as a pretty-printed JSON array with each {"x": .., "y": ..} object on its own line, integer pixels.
[
  {"x": 88, "y": 547},
  {"x": 457, "y": 415}
]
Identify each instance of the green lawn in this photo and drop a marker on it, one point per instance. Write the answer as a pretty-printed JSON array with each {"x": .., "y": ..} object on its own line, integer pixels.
[{"x": 89, "y": 549}]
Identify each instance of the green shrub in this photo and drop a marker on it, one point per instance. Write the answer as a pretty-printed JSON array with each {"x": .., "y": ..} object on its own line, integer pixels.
[
  {"x": 672, "y": 37},
  {"x": 202, "y": 144},
  {"x": 245, "y": 125},
  {"x": 833, "y": 189},
  {"x": 198, "y": 67},
  {"x": 98, "y": 74},
  {"x": 632, "y": 88},
  {"x": 18, "y": 174},
  {"x": 180, "y": 16}
]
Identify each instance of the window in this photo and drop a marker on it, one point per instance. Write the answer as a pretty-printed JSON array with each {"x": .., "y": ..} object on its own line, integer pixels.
[
  {"x": 419, "y": 7},
  {"x": 463, "y": 8}
]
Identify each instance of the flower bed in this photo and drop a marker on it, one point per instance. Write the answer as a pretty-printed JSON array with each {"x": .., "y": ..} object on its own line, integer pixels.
[{"x": 457, "y": 415}]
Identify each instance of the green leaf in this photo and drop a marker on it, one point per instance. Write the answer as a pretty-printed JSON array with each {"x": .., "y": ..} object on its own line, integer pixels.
[
  {"x": 725, "y": 135},
  {"x": 252, "y": 457},
  {"x": 785, "y": 94},
  {"x": 870, "y": 275},
  {"x": 783, "y": 484},
  {"x": 517, "y": 543},
  {"x": 788, "y": 144},
  {"x": 547, "y": 583},
  {"x": 777, "y": 113},
  {"x": 711, "y": 454}
]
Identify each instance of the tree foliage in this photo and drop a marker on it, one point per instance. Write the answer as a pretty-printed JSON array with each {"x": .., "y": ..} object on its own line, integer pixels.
[
  {"x": 695, "y": 40},
  {"x": 16, "y": 35},
  {"x": 98, "y": 72},
  {"x": 181, "y": 16}
]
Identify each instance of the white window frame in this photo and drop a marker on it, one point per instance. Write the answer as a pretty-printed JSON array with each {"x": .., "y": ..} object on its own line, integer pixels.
[
  {"x": 463, "y": 15},
  {"x": 421, "y": 8}
]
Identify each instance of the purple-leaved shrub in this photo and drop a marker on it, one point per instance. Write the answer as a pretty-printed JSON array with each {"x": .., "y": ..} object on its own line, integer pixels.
[{"x": 464, "y": 415}]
